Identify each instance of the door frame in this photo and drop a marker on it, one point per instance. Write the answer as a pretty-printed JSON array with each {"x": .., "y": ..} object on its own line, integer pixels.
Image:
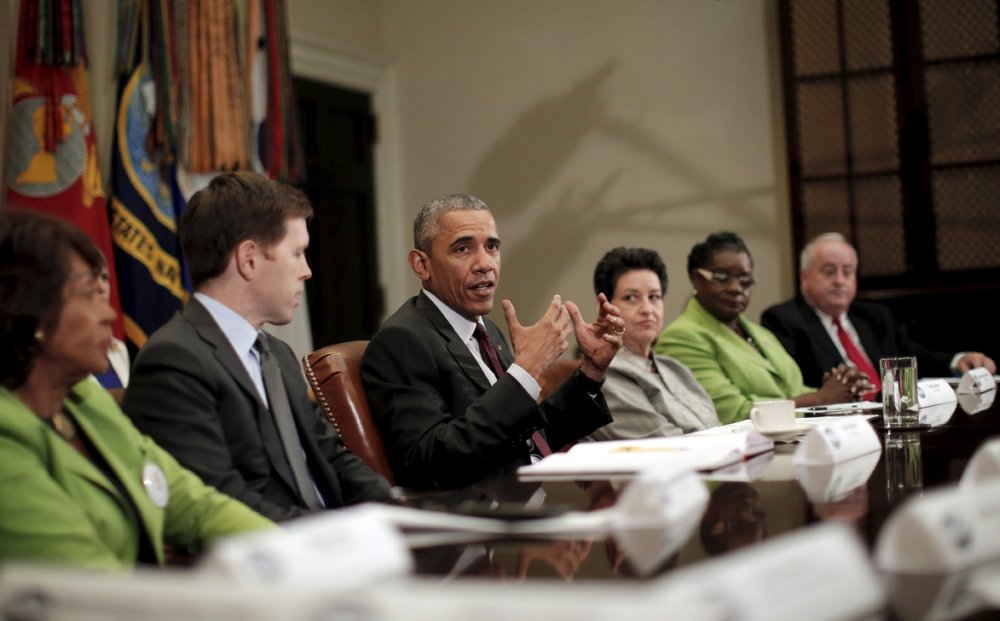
[{"x": 317, "y": 60}]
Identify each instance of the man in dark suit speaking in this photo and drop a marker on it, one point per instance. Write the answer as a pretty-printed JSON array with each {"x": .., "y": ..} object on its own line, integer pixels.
[
  {"x": 824, "y": 326},
  {"x": 454, "y": 403},
  {"x": 225, "y": 398}
]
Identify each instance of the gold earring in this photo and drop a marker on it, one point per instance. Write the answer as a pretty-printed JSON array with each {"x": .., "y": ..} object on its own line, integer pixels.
[{"x": 39, "y": 335}]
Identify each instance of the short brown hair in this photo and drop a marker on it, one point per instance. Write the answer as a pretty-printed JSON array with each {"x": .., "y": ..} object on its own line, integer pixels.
[
  {"x": 35, "y": 251},
  {"x": 233, "y": 208}
]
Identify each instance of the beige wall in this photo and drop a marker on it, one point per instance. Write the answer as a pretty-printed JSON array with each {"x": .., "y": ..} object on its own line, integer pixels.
[
  {"x": 585, "y": 124},
  {"x": 353, "y": 27},
  {"x": 588, "y": 124}
]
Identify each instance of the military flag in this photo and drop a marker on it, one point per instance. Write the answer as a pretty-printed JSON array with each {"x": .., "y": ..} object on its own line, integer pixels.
[{"x": 51, "y": 160}]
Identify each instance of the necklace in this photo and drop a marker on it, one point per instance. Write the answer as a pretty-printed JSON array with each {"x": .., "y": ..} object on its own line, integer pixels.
[{"x": 64, "y": 426}]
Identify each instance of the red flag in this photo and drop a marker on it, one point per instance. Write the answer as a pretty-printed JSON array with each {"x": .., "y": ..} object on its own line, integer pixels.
[{"x": 51, "y": 147}]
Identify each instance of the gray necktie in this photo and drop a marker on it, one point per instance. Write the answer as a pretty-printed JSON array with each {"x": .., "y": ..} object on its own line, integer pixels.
[{"x": 282, "y": 413}]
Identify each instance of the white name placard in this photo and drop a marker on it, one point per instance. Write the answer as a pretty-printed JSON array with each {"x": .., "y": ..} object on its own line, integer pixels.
[
  {"x": 984, "y": 467},
  {"x": 655, "y": 515},
  {"x": 937, "y": 401},
  {"x": 342, "y": 549},
  {"x": 944, "y": 531},
  {"x": 976, "y": 381},
  {"x": 975, "y": 402},
  {"x": 935, "y": 391},
  {"x": 839, "y": 441},
  {"x": 821, "y": 573},
  {"x": 832, "y": 482}
]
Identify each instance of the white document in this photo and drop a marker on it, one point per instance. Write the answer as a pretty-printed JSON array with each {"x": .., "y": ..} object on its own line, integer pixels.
[{"x": 628, "y": 457}]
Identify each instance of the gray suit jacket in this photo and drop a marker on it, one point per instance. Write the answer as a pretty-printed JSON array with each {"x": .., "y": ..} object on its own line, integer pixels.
[
  {"x": 443, "y": 424},
  {"x": 191, "y": 393},
  {"x": 645, "y": 404}
]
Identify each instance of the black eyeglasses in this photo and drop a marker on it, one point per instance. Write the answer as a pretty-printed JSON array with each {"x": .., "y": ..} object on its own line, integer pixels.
[{"x": 722, "y": 279}]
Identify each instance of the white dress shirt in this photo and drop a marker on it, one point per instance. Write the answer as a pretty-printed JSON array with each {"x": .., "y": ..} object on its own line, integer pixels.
[
  {"x": 241, "y": 335},
  {"x": 465, "y": 330}
]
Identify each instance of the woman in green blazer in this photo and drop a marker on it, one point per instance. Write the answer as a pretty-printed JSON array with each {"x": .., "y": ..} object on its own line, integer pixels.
[
  {"x": 737, "y": 361},
  {"x": 79, "y": 484}
]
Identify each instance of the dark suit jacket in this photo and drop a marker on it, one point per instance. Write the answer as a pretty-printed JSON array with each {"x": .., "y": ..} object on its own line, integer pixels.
[
  {"x": 191, "y": 393},
  {"x": 443, "y": 425},
  {"x": 801, "y": 332}
]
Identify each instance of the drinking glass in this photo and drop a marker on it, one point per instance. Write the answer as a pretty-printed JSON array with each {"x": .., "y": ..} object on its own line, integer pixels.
[{"x": 900, "y": 406}]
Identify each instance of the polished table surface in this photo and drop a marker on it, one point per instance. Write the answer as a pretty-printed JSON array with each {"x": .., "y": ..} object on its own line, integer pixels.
[{"x": 739, "y": 513}]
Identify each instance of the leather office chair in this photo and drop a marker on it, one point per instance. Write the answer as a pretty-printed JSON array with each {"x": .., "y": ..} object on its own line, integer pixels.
[{"x": 334, "y": 373}]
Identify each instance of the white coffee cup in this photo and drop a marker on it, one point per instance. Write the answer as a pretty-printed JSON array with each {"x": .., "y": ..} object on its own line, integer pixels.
[{"x": 773, "y": 416}]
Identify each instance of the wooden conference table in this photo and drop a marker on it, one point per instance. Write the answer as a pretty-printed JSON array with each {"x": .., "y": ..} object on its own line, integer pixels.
[{"x": 740, "y": 513}]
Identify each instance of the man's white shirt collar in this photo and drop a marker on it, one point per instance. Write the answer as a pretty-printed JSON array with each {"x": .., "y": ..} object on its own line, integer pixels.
[
  {"x": 462, "y": 326},
  {"x": 241, "y": 335},
  {"x": 465, "y": 330}
]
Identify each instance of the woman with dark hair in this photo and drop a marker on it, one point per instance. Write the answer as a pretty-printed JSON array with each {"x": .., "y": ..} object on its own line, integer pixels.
[
  {"x": 648, "y": 394},
  {"x": 79, "y": 484},
  {"x": 736, "y": 360}
]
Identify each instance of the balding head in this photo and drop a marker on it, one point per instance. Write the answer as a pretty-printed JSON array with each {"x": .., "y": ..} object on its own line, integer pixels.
[{"x": 828, "y": 273}]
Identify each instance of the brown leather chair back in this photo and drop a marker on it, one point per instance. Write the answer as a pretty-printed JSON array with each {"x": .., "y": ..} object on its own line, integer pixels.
[{"x": 334, "y": 373}]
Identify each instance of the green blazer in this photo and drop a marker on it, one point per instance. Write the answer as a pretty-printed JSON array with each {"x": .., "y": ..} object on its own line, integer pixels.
[
  {"x": 732, "y": 371},
  {"x": 55, "y": 505}
]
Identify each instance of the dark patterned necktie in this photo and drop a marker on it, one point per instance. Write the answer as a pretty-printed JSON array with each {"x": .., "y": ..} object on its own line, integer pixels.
[
  {"x": 489, "y": 353},
  {"x": 858, "y": 360},
  {"x": 283, "y": 420}
]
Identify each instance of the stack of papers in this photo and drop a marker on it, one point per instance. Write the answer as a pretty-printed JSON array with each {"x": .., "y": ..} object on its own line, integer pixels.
[{"x": 628, "y": 457}]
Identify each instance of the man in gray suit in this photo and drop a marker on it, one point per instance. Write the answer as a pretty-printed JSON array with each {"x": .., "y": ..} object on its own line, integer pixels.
[{"x": 226, "y": 399}]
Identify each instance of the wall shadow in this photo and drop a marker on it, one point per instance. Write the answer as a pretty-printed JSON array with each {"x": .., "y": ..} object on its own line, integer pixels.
[{"x": 530, "y": 154}]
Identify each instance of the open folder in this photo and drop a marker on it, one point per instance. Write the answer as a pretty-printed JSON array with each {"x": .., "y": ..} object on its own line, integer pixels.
[{"x": 628, "y": 457}]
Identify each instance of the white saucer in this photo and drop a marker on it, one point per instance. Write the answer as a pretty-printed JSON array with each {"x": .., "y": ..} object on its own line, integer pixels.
[{"x": 786, "y": 434}]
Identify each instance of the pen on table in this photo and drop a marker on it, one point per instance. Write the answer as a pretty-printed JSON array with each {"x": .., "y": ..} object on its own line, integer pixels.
[{"x": 825, "y": 408}]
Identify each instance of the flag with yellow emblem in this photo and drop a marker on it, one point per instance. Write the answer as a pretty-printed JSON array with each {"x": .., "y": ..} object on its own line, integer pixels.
[{"x": 51, "y": 162}]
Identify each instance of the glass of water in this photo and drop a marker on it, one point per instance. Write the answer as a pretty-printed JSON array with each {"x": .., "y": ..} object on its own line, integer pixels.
[{"x": 899, "y": 392}]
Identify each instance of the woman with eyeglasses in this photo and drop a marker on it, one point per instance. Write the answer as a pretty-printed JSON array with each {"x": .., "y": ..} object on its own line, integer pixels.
[
  {"x": 79, "y": 485},
  {"x": 736, "y": 360}
]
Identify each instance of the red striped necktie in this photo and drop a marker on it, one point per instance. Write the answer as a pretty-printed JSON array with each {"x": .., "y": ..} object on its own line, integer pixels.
[
  {"x": 858, "y": 360},
  {"x": 492, "y": 359}
]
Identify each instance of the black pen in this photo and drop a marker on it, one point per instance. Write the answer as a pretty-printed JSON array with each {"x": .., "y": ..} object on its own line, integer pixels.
[{"x": 846, "y": 406}]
